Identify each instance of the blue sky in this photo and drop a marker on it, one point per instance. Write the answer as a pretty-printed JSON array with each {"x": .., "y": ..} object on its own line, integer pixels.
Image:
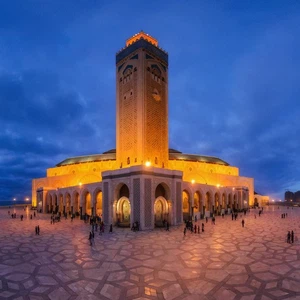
[{"x": 234, "y": 70}]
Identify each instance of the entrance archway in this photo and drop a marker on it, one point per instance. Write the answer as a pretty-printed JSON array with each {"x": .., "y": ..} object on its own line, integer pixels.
[
  {"x": 76, "y": 203},
  {"x": 87, "y": 204},
  {"x": 161, "y": 212},
  {"x": 68, "y": 203},
  {"x": 197, "y": 203},
  {"x": 255, "y": 202},
  {"x": 98, "y": 205},
  {"x": 186, "y": 205},
  {"x": 49, "y": 203},
  {"x": 234, "y": 202},
  {"x": 223, "y": 202},
  {"x": 123, "y": 212},
  {"x": 230, "y": 201},
  {"x": 216, "y": 208},
  {"x": 208, "y": 204}
]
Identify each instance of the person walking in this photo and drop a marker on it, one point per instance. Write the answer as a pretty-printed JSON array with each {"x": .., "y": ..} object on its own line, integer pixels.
[
  {"x": 202, "y": 227},
  {"x": 38, "y": 229},
  {"x": 168, "y": 227},
  {"x": 110, "y": 228},
  {"x": 243, "y": 223},
  {"x": 292, "y": 237},
  {"x": 198, "y": 229},
  {"x": 35, "y": 230},
  {"x": 289, "y": 237}
]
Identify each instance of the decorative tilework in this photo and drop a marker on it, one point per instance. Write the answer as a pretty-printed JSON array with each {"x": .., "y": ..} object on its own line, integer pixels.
[
  {"x": 136, "y": 200},
  {"x": 148, "y": 203},
  {"x": 105, "y": 204},
  {"x": 142, "y": 44},
  {"x": 178, "y": 202}
]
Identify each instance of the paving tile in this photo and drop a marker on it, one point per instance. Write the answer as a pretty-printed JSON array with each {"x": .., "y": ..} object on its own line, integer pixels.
[{"x": 225, "y": 262}]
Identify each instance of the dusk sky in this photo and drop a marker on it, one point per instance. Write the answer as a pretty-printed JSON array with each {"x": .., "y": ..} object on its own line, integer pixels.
[{"x": 234, "y": 83}]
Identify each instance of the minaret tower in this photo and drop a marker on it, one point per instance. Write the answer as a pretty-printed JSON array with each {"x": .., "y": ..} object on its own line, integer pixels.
[{"x": 142, "y": 103}]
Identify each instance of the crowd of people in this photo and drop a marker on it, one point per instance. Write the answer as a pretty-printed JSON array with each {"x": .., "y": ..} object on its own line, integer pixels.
[{"x": 196, "y": 228}]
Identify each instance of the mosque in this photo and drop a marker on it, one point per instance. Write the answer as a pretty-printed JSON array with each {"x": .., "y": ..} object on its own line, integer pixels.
[{"x": 143, "y": 180}]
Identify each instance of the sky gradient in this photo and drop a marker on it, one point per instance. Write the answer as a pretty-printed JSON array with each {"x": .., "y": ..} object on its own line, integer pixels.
[{"x": 234, "y": 92}]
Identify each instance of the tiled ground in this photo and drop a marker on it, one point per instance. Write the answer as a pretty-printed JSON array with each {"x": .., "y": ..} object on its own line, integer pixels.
[{"x": 225, "y": 262}]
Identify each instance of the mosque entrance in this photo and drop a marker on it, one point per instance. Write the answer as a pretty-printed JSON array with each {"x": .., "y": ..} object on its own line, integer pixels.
[
  {"x": 123, "y": 212},
  {"x": 161, "y": 213}
]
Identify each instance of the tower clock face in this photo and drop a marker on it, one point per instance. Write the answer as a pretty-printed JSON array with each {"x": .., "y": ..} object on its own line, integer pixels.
[{"x": 156, "y": 96}]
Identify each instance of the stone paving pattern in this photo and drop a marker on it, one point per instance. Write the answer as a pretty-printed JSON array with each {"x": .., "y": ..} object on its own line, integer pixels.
[{"x": 225, "y": 262}]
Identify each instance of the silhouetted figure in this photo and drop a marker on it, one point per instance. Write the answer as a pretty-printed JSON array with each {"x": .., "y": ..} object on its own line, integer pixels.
[
  {"x": 198, "y": 229},
  {"x": 202, "y": 227},
  {"x": 243, "y": 223},
  {"x": 292, "y": 237},
  {"x": 38, "y": 229},
  {"x": 110, "y": 228},
  {"x": 168, "y": 227},
  {"x": 289, "y": 237}
]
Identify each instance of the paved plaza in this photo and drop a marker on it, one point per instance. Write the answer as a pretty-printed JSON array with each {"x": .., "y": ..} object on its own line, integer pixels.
[{"x": 225, "y": 262}]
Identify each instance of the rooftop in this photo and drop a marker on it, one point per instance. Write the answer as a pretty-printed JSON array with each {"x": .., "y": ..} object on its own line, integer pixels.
[{"x": 111, "y": 155}]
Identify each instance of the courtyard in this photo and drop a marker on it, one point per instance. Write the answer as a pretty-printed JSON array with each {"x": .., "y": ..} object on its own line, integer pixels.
[{"x": 226, "y": 262}]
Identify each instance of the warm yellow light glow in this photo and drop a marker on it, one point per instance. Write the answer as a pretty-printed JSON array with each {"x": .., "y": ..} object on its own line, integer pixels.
[
  {"x": 80, "y": 184},
  {"x": 233, "y": 189},
  {"x": 148, "y": 163},
  {"x": 218, "y": 185},
  {"x": 27, "y": 199},
  {"x": 193, "y": 181}
]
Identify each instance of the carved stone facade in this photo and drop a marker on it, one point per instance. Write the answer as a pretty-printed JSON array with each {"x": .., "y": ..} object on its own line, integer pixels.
[
  {"x": 142, "y": 106},
  {"x": 118, "y": 184}
]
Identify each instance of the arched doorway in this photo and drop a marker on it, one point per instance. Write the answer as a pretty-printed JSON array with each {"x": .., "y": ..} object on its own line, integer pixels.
[
  {"x": 186, "y": 205},
  {"x": 197, "y": 204},
  {"x": 68, "y": 203},
  {"x": 229, "y": 201},
  {"x": 216, "y": 208},
  {"x": 98, "y": 206},
  {"x": 123, "y": 212},
  {"x": 76, "y": 203},
  {"x": 49, "y": 203},
  {"x": 122, "y": 206},
  {"x": 86, "y": 205},
  {"x": 161, "y": 212},
  {"x": 234, "y": 202},
  {"x": 55, "y": 204},
  {"x": 208, "y": 204},
  {"x": 255, "y": 202},
  {"x": 223, "y": 202},
  {"x": 60, "y": 203}
]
